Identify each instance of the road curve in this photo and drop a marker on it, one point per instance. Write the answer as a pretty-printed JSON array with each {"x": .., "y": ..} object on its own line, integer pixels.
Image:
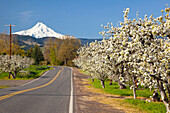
[{"x": 48, "y": 94}]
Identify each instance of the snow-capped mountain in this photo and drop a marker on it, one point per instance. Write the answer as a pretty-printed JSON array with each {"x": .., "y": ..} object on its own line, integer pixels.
[{"x": 40, "y": 30}]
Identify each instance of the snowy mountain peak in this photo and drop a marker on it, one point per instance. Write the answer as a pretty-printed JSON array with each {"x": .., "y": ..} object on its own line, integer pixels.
[
  {"x": 40, "y": 24},
  {"x": 40, "y": 30}
]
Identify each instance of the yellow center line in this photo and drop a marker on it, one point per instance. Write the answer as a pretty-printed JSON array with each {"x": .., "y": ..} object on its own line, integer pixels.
[{"x": 19, "y": 92}]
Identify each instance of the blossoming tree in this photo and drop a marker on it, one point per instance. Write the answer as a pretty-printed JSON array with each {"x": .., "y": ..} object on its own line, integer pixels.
[
  {"x": 149, "y": 54},
  {"x": 138, "y": 50},
  {"x": 15, "y": 64}
]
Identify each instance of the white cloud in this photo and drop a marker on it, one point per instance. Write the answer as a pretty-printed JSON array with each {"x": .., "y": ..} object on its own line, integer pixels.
[
  {"x": 26, "y": 13},
  {"x": 25, "y": 16}
]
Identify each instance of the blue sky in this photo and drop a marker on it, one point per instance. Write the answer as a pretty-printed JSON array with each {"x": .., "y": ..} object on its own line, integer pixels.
[{"x": 79, "y": 18}]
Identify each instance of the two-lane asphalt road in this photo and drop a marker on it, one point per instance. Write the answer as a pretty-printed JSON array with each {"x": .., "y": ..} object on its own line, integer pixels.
[{"x": 48, "y": 94}]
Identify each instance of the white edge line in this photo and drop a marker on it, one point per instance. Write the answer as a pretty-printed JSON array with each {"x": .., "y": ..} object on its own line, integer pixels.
[
  {"x": 71, "y": 95},
  {"x": 35, "y": 79}
]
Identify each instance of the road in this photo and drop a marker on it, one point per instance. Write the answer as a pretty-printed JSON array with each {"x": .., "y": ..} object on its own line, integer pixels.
[{"x": 48, "y": 94}]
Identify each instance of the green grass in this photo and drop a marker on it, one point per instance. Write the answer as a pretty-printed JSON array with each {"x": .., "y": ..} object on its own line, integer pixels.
[
  {"x": 114, "y": 89},
  {"x": 3, "y": 75},
  {"x": 84, "y": 72},
  {"x": 35, "y": 72},
  {"x": 150, "y": 107}
]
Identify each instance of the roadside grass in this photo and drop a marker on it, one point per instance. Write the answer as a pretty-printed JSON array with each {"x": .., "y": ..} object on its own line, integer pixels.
[
  {"x": 114, "y": 89},
  {"x": 84, "y": 72},
  {"x": 35, "y": 72},
  {"x": 150, "y": 107},
  {"x": 1, "y": 87},
  {"x": 4, "y": 75}
]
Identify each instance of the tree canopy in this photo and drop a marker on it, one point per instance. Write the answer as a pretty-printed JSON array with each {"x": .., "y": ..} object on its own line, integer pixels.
[{"x": 61, "y": 52}]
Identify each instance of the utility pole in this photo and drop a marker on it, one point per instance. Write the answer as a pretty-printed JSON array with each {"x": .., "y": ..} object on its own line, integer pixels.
[
  {"x": 10, "y": 44},
  {"x": 10, "y": 40}
]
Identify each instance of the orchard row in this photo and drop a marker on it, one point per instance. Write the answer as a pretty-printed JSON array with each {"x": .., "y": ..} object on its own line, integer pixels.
[{"x": 137, "y": 51}]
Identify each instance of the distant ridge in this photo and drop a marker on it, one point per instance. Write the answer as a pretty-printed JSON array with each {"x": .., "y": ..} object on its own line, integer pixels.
[
  {"x": 86, "y": 40},
  {"x": 40, "y": 30}
]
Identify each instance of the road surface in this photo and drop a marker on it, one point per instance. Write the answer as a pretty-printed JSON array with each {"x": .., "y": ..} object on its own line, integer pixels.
[{"x": 48, "y": 94}]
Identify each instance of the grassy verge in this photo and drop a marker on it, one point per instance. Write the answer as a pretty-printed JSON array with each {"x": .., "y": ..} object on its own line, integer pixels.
[
  {"x": 149, "y": 107},
  {"x": 141, "y": 105},
  {"x": 35, "y": 72},
  {"x": 114, "y": 89},
  {"x": 84, "y": 72},
  {"x": 1, "y": 87}
]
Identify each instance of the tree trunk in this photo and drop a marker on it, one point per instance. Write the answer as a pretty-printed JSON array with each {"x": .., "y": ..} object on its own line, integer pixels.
[
  {"x": 9, "y": 75},
  {"x": 150, "y": 89},
  {"x": 102, "y": 83},
  {"x": 134, "y": 88},
  {"x": 92, "y": 79},
  {"x": 164, "y": 97},
  {"x": 168, "y": 87},
  {"x": 65, "y": 62},
  {"x": 13, "y": 75},
  {"x": 110, "y": 82},
  {"x": 121, "y": 86}
]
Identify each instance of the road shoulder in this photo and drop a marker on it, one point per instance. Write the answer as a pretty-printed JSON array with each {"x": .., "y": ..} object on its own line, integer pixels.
[{"x": 85, "y": 100}]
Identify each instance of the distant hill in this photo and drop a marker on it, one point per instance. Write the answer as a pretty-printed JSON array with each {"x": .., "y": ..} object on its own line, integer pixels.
[
  {"x": 27, "y": 42},
  {"x": 85, "y": 40}
]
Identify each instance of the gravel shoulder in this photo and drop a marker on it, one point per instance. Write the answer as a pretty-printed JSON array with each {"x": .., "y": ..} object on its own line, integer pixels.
[{"x": 85, "y": 100}]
